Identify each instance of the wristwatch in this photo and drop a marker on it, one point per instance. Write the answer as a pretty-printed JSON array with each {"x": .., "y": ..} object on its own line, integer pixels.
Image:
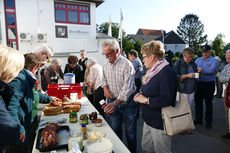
[
  {"x": 146, "y": 100},
  {"x": 115, "y": 103}
]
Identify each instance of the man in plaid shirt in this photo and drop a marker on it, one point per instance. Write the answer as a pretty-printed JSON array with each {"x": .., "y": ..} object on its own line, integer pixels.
[{"x": 119, "y": 89}]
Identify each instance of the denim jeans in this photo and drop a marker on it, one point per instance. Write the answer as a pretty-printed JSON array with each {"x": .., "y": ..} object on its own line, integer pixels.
[{"x": 128, "y": 113}]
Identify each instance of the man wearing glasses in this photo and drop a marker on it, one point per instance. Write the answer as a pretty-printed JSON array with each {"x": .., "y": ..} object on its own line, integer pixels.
[
  {"x": 119, "y": 89},
  {"x": 43, "y": 52}
]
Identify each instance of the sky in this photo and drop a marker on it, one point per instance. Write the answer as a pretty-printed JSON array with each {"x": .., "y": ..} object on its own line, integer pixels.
[{"x": 166, "y": 15}]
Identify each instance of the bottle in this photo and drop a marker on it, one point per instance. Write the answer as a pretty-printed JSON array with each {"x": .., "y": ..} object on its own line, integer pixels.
[
  {"x": 73, "y": 117},
  {"x": 84, "y": 131},
  {"x": 103, "y": 105}
]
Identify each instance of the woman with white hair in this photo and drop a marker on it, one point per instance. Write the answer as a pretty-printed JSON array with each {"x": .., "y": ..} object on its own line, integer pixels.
[
  {"x": 95, "y": 81},
  {"x": 51, "y": 74},
  {"x": 11, "y": 63}
]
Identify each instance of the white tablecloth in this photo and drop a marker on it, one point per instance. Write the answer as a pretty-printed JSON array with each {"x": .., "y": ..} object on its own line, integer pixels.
[{"x": 87, "y": 108}]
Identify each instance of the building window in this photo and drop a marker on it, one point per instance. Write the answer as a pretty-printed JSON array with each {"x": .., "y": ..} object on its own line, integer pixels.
[
  {"x": 72, "y": 13},
  {"x": 176, "y": 47}
]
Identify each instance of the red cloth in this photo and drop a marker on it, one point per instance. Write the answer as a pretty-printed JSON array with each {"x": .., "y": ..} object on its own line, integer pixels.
[{"x": 227, "y": 101}]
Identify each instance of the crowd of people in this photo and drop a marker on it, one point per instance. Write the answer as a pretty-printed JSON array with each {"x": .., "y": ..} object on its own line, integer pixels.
[{"x": 122, "y": 82}]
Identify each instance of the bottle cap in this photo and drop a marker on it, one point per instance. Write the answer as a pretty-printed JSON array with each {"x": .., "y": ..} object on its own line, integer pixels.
[
  {"x": 102, "y": 102},
  {"x": 73, "y": 113},
  {"x": 83, "y": 125}
]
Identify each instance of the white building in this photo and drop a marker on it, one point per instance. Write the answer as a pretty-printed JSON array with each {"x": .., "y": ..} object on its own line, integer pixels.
[{"x": 67, "y": 25}]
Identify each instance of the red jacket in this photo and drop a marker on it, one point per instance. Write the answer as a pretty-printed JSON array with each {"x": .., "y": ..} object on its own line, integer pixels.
[{"x": 227, "y": 100}]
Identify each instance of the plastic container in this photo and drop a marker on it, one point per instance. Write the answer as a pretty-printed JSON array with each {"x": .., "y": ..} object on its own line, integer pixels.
[
  {"x": 69, "y": 78},
  {"x": 73, "y": 140},
  {"x": 60, "y": 90},
  {"x": 102, "y": 146}
]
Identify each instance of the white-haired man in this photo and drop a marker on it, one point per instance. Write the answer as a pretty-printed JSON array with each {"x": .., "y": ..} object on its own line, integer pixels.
[
  {"x": 224, "y": 77},
  {"x": 43, "y": 52},
  {"x": 119, "y": 88},
  {"x": 95, "y": 81}
]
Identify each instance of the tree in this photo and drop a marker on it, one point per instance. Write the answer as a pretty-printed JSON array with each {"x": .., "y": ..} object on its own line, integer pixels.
[
  {"x": 137, "y": 47},
  {"x": 191, "y": 31},
  {"x": 103, "y": 28},
  {"x": 218, "y": 45},
  {"x": 127, "y": 45}
]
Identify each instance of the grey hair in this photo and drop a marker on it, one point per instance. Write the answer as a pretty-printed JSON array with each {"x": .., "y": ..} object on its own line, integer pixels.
[
  {"x": 56, "y": 62},
  {"x": 188, "y": 50},
  {"x": 91, "y": 61},
  {"x": 44, "y": 48},
  {"x": 114, "y": 45},
  {"x": 227, "y": 51},
  {"x": 82, "y": 50}
]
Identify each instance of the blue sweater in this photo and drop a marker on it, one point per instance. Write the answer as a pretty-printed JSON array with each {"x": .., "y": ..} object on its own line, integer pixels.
[{"x": 161, "y": 90}]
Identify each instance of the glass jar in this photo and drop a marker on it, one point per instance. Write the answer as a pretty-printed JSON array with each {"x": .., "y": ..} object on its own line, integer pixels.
[
  {"x": 98, "y": 122},
  {"x": 84, "y": 119},
  {"x": 73, "y": 117}
]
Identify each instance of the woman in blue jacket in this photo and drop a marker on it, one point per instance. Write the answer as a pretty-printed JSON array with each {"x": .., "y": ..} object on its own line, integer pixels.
[
  {"x": 11, "y": 63},
  {"x": 158, "y": 90}
]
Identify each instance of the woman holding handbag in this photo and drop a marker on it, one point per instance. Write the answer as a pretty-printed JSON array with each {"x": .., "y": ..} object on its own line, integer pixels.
[{"x": 158, "y": 90}]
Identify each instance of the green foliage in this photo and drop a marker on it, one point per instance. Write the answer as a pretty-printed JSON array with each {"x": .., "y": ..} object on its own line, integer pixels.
[
  {"x": 127, "y": 45},
  {"x": 103, "y": 28},
  {"x": 174, "y": 59},
  {"x": 178, "y": 54},
  {"x": 170, "y": 55},
  {"x": 218, "y": 45},
  {"x": 137, "y": 47},
  {"x": 213, "y": 53},
  {"x": 199, "y": 52},
  {"x": 191, "y": 31}
]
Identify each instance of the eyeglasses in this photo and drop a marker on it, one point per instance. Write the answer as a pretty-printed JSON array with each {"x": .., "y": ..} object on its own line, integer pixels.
[
  {"x": 189, "y": 56},
  {"x": 109, "y": 54},
  {"x": 143, "y": 57}
]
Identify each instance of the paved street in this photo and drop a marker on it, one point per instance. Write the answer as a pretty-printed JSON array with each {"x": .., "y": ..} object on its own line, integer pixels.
[{"x": 202, "y": 140}]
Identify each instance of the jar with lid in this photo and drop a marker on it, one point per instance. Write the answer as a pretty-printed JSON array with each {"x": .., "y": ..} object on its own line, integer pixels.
[
  {"x": 98, "y": 122},
  {"x": 73, "y": 117},
  {"x": 84, "y": 119},
  {"x": 84, "y": 131}
]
